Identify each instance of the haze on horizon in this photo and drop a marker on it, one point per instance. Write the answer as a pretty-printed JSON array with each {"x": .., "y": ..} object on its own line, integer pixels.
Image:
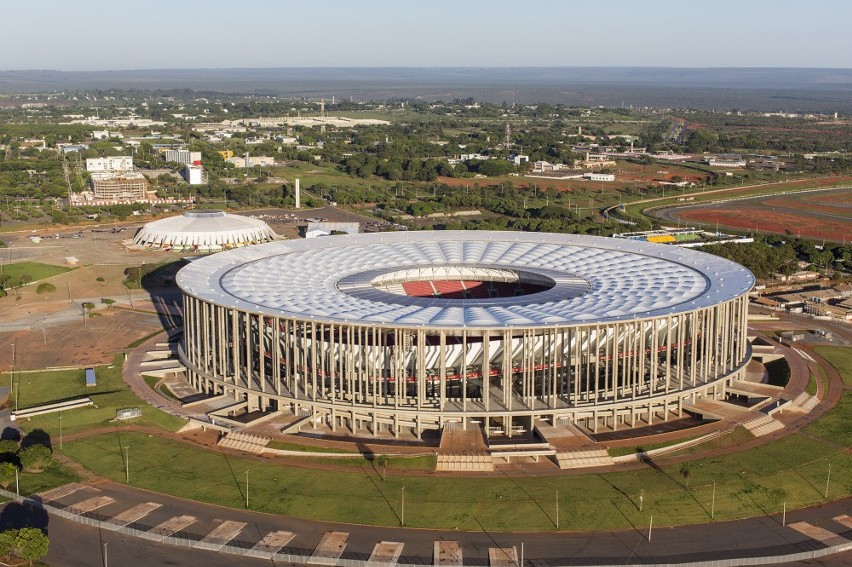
[{"x": 99, "y": 35}]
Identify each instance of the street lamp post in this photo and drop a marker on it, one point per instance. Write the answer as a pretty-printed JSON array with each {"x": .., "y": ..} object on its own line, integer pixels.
[
  {"x": 247, "y": 488},
  {"x": 557, "y": 509},
  {"x": 60, "y": 430},
  {"x": 127, "y": 464},
  {"x": 402, "y": 509},
  {"x": 827, "y": 480},
  {"x": 713, "y": 502}
]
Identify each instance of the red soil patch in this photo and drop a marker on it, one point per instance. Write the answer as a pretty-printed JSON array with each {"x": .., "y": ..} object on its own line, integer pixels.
[{"x": 764, "y": 220}]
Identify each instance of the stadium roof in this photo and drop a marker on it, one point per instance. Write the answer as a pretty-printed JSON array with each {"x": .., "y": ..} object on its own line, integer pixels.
[
  {"x": 594, "y": 279},
  {"x": 204, "y": 229}
]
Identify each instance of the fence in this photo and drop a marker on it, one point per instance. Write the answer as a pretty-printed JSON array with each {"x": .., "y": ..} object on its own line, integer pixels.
[{"x": 360, "y": 560}]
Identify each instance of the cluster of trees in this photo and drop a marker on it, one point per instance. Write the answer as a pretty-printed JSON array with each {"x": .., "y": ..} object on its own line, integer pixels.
[
  {"x": 772, "y": 254},
  {"x": 30, "y": 544}
]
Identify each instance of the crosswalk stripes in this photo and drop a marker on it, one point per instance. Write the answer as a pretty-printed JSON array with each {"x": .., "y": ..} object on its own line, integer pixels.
[
  {"x": 60, "y": 492},
  {"x": 330, "y": 548},
  {"x": 503, "y": 556},
  {"x": 447, "y": 553},
  {"x": 223, "y": 533},
  {"x": 822, "y": 535},
  {"x": 133, "y": 514},
  {"x": 172, "y": 526},
  {"x": 385, "y": 554},
  {"x": 274, "y": 541},
  {"x": 843, "y": 519},
  {"x": 90, "y": 504}
]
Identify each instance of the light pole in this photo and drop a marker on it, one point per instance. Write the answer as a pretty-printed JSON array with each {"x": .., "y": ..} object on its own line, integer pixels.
[
  {"x": 827, "y": 480},
  {"x": 106, "y": 562},
  {"x": 402, "y": 509},
  {"x": 60, "y": 430},
  {"x": 713, "y": 502},
  {"x": 12, "y": 378},
  {"x": 247, "y": 504},
  {"x": 557, "y": 509},
  {"x": 127, "y": 464},
  {"x": 641, "y": 499},
  {"x": 17, "y": 484}
]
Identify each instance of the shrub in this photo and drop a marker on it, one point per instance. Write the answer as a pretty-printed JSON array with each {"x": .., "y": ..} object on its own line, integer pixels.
[
  {"x": 45, "y": 288},
  {"x": 35, "y": 458}
]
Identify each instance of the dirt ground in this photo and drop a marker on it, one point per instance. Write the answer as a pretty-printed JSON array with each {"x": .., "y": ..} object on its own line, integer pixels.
[
  {"x": 68, "y": 342},
  {"x": 73, "y": 344}
]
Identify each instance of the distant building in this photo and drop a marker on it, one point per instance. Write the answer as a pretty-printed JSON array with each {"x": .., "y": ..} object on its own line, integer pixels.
[
  {"x": 126, "y": 186},
  {"x": 194, "y": 175},
  {"x": 185, "y": 157},
  {"x": 253, "y": 161},
  {"x": 226, "y": 154},
  {"x": 599, "y": 176},
  {"x": 542, "y": 166},
  {"x": 726, "y": 160},
  {"x": 110, "y": 164},
  {"x": 68, "y": 148},
  {"x": 518, "y": 159},
  {"x": 316, "y": 229}
]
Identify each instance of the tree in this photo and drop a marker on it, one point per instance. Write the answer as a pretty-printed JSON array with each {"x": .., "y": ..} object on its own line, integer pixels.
[
  {"x": 7, "y": 541},
  {"x": 7, "y": 474},
  {"x": 382, "y": 461},
  {"x": 8, "y": 447},
  {"x": 31, "y": 544},
  {"x": 45, "y": 288},
  {"x": 88, "y": 306},
  {"x": 685, "y": 471},
  {"x": 35, "y": 458},
  {"x": 107, "y": 301}
]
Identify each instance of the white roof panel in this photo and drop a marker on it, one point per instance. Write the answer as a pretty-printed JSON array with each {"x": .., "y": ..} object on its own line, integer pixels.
[{"x": 595, "y": 278}]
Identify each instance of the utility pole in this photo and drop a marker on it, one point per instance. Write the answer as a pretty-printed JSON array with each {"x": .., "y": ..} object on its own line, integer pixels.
[
  {"x": 402, "y": 509},
  {"x": 127, "y": 464},
  {"x": 60, "y": 430},
  {"x": 650, "y": 527},
  {"x": 557, "y": 509},
  {"x": 106, "y": 561},
  {"x": 827, "y": 480},
  {"x": 713, "y": 502},
  {"x": 247, "y": 486}
]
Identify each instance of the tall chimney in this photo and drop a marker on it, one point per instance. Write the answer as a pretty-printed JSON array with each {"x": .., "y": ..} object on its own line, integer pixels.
[{"x": 298, "y": 196}]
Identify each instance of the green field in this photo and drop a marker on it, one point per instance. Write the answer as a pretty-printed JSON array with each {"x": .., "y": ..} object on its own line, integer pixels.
[
  {"x": 111, "y": 393},
  {"x": 35, "y": 270},
  {"x": 840, "y": 358}
]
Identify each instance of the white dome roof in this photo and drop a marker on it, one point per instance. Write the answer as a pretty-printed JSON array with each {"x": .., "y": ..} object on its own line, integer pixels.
[
  {"x": 594, "y": 279},
  {"x": 204, "y": 229}
]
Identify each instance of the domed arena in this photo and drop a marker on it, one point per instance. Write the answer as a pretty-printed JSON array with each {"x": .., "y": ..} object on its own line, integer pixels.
[
  {"x": 379, "y": 333},
  {"x": 203, "y": 231}
]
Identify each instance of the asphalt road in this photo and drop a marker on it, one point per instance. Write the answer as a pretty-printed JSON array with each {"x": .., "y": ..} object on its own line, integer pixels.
[{"x": 75, "y": 544}]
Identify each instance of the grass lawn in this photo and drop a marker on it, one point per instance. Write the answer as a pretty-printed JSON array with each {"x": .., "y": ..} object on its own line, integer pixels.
[
  {"x": 110, "y": 394},
  {"x": 35, "y": 270},
  {"x": 837, "y": 425},
  {"x": 811, "y": 388},
  {"x": 621, "y": 451},
  {"x": 747, "y": 484},
  {"x": 840, "y": 358}
]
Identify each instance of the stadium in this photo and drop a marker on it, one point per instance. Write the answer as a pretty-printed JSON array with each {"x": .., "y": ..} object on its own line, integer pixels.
[
  {"x": 203, "y": 231},
  {"x": 414, "y": 331}
]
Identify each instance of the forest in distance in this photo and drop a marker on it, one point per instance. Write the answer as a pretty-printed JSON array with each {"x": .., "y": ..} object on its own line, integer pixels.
[{"x": 759, "y": 89}]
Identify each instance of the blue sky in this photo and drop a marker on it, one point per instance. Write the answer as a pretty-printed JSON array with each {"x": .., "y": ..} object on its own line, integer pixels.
[{"x": 154, "y": 34}]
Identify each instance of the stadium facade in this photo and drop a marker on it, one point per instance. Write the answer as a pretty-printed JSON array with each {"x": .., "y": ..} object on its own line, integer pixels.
[
  {"x": 203, "y": 231},
  {"x": 383, "y": 332}
]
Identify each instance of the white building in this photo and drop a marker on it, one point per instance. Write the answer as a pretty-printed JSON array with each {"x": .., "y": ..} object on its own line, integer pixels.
[
  {"x": 185, "y": 157},
  {"x": 110, "y": 164},
  {"x": 194, "y": 175},
  {"x": 518, "y": 159},
  {"x": 599, "y": 176},
  {"x": 253, "y": 161}
]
